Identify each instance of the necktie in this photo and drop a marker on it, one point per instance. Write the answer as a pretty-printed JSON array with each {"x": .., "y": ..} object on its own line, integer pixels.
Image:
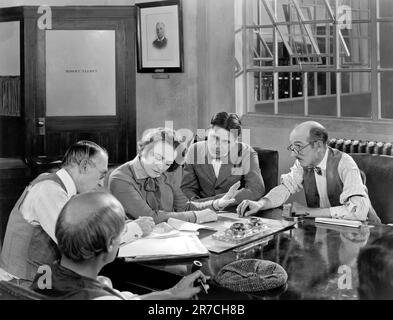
[
  {"x": 310, "y": 188},
  {"x": 318, "y": 170}
]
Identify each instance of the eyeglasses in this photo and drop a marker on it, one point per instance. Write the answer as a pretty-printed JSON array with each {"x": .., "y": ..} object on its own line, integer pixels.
[
  {"x": 296, "y": 149},
  {"x": 161, "y": 159}
]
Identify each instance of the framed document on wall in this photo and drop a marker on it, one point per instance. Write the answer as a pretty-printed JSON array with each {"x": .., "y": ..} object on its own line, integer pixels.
[{"x": 160, "y": 37}]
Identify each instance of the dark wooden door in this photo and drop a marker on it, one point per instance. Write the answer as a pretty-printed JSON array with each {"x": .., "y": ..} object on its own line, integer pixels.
[
  {"x": 11, "y": 111},
  {"x": 55, "y": 124}
]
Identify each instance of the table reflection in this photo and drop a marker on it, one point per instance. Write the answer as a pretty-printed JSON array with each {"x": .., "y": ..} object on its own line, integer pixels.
[{"x": 320, "y": 260}]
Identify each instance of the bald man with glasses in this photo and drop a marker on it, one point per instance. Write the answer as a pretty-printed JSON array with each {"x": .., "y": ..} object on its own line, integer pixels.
[{"x": 330, "y": 179}]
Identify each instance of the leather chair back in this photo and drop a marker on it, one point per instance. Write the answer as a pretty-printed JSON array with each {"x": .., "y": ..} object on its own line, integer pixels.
[
  {"x": 379, "y": 172},
  {"x": 268, "y": 162}
]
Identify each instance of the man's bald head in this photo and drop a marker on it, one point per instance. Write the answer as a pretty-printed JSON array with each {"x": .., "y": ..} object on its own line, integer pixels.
[
  {"x": 85, "y": 206},
  {"x": 87, "y": 223},
  {"x": 309, "y": 131},
  {"x": 308, "y": 143}
]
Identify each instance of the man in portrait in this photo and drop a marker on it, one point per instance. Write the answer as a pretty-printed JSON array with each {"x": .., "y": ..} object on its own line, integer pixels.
[{"x": 161, "y": 41}]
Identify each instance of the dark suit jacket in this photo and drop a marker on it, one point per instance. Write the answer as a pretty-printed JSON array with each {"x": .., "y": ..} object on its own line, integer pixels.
[
  {"x": 160, "y": 44},
  {"x": 199, "y": 180}
]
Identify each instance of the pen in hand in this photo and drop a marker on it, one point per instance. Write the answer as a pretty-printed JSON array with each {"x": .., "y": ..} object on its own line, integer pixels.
[{"x": 197, "y": 265}]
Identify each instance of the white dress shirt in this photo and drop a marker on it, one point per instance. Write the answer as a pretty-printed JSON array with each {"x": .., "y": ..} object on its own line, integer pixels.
[
  {"x": 354, "y": 199},
  {"x": 44, "y": 201},
  {"x": 216, "y": 166}
]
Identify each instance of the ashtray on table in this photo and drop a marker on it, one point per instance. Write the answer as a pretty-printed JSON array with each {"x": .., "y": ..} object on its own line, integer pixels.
[{"x": 240, "y": 231}]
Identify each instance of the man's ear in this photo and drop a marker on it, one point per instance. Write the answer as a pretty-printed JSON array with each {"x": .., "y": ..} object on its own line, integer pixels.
[
  {"x": 320, "y": 144},
  {"x": 83, "y": 165},
  {"x": 110, "y": 245}
]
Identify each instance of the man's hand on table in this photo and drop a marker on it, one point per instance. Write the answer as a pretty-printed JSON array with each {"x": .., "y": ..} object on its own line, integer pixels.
[
  {"x": 248, "y": 207},
  {"x": 185, "y": 289}
]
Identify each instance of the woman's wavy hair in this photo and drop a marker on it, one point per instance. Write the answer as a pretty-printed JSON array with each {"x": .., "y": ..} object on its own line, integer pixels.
[{"x": 165, "y": 135}]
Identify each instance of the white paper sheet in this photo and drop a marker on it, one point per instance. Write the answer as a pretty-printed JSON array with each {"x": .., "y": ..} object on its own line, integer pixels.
[
  {"x": 340, "y": 222},
  {"x": 187, "y": 226},
  {"x": 174, "y": 246},
  {"x": 165, "y": 230}
]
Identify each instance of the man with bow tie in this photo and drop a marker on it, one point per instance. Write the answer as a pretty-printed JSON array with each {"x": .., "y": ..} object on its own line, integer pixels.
[{"x": 330, "y": 179}]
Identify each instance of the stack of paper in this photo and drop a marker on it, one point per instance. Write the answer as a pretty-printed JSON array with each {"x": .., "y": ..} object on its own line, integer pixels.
[
  {"x": 172, "y": 239},
  {"x": 164, "y": 248},
  {"x": 340, "y": 222}
]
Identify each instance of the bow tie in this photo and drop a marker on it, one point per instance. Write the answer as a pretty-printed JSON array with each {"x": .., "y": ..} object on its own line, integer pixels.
[
  {"x": 317, "y": 170},
  {"x": 151, "y": 184}
]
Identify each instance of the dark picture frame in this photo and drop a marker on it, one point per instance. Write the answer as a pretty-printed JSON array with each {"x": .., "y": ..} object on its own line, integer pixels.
[{"x": 160, "y": 37}]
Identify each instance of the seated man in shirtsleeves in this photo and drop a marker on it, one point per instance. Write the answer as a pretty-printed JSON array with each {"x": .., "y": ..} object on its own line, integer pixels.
[
  {"x": 30, "y": 235},
  {"x": 330, "y": 179}
]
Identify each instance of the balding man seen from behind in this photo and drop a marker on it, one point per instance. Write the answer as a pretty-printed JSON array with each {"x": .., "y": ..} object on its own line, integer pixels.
[{"x": 89, "y": 232}]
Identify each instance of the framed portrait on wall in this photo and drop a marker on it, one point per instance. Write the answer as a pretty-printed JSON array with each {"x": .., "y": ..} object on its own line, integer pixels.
[{"x": 160, "y": 37}]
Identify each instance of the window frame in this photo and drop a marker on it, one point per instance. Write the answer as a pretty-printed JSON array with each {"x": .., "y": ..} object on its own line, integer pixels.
[{"x": 373, "y": 68}]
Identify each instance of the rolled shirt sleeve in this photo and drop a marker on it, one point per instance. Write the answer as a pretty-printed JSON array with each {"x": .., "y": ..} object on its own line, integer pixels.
[
  {"x": 293, "y": 180},
  {"x": 43, "y": 205},
  {"x": 290, "y": 183},
  {"x": 354, "y": 198}
]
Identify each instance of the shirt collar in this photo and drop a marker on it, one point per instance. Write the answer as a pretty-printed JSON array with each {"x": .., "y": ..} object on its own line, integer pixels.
[
  {"x": 140, "y": 172},
  {"x": 216, "y": 161},
  {"x": 67, "y": 181},
  {"x": 323, "y": 163}
]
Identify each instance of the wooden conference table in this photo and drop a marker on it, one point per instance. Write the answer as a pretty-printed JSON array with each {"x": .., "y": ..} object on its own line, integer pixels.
[{"x": 320, "y": 261}]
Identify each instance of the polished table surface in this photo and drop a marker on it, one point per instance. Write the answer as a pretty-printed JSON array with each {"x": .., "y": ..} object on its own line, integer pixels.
[{"x": 320, "y": 261}]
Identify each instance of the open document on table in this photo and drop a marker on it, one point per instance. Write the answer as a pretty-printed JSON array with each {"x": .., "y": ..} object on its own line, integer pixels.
[{"x": 165, "y": 242}]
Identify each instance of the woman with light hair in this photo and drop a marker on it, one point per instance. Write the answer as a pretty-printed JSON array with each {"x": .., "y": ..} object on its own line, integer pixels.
[{"x": 146, "y": 185}]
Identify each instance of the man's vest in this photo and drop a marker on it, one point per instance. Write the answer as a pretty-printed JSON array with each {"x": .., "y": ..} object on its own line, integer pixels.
[
  {"x": 68, "y": 285},
  {"x": 27, "y": 246},
  {"x": 333, "y": 183}
]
